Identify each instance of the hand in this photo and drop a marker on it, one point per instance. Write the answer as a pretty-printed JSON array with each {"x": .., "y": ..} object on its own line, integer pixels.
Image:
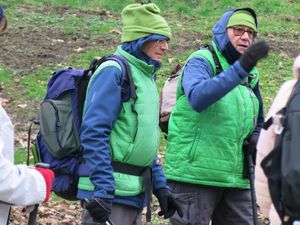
[
  {"x": 252, "y": 147},
  {"x": 48, "y": 176},
  {"x": 167, "y": 202},
  {"x": 249, "y": 147},
  {"x": 254, "y": 53},
  {"x": 99, "y": 209}
]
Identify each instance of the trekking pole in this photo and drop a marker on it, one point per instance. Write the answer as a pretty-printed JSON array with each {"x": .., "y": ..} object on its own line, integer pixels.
[
  {"x": 252, "y": 187},
  {"x": 33, "y": 215},
  {"x": 7, "y": 222}
]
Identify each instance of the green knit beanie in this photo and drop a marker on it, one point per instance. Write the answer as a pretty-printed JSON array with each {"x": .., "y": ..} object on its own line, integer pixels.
[
  {"x": 141, "y": 20},
  {"x": 242, "y": 17}
]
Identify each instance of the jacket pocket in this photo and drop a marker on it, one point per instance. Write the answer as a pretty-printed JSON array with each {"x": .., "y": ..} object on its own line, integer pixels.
[
  {"x": 130, "y": 148},
  {"x": 194, "y": 146}
]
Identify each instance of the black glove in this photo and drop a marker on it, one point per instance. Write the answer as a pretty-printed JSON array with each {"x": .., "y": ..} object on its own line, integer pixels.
[
  {"x": 254, "y": 53},
  {"x": 252, "y": 147},
  {"x": 99, "y": 209},
  {"x": 167, "y": 202}
]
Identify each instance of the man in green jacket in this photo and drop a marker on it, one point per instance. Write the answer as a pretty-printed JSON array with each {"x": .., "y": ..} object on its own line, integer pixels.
[
  {"x": 120, "y": 134},
  {"x": 213, "y": 116}
]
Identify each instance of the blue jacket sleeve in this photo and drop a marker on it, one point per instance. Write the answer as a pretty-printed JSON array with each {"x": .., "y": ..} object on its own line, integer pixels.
[
  {"x": 102, "y": 108},
  {"x": 159, "y": 178},
  {"x": 260, "y": 119},
  {"x": 202, "y": 89}
]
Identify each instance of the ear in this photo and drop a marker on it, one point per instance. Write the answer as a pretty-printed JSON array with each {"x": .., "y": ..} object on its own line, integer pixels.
[{"x": 3, "y": 24}]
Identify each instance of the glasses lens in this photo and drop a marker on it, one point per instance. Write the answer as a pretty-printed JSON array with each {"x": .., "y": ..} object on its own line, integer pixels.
[
  {"x": 239, "y": 31},
  {"x": 161, "y": 42}
]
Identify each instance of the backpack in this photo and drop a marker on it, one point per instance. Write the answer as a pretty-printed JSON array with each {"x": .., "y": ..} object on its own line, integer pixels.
[
  {"x": 168, "y": 97},
  {"x": 169, "y": 91},
  {"x": 57, "y": 142},
  {"x": 282, "y": 165}
]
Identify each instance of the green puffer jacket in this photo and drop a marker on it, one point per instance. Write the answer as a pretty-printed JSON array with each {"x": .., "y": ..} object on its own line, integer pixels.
[
  {"x": 135, "y": 136},
  {"x": 206, "y": 147}
]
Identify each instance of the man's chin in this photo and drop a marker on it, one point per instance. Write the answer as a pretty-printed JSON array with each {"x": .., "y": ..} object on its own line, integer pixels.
[
  {"x": 158, "y": 59},
  {"x": 241, "y": 49}
]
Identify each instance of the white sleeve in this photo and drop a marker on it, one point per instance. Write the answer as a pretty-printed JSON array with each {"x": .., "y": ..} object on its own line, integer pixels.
[
  {"x": 7, "y": 136},
  {"x": 20, "y": 185}
]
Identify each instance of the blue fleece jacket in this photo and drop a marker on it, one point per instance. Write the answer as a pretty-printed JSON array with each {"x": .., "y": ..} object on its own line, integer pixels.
[
  {"x": 202, "y": 90},
  {"x": 102, "y": 114}
]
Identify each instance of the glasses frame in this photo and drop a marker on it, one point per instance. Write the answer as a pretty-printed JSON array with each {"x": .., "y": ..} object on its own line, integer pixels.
[
  {"x": 161, "y": 42},
  {"x": 239, "y": 31}
]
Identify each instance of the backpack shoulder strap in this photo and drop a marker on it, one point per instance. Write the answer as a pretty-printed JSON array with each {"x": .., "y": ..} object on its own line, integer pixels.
[
  {"x": 208, "y": 53},
  {"x": 215, "y": 58},
  {"x": 128, "y": 78},
  {"x": 125, "y": 68},
  {"x": 218, "y": 67},
  {"x": 127, "y": 75}
]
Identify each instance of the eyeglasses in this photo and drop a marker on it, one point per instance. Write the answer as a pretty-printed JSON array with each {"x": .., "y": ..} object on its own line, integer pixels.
[
  {"x": 239, "y": 31},
  {"x": 162, "y": 42}
]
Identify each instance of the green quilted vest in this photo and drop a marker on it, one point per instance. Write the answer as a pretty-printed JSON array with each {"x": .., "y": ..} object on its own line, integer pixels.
[
  {"x": 135, "y": 137},
  {"x": 206, "y": 148}
]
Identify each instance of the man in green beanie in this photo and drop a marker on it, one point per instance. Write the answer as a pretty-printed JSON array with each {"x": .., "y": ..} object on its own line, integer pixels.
[
  {"x": 218, "y": 110},
  {"x": 120, "y": 141}
]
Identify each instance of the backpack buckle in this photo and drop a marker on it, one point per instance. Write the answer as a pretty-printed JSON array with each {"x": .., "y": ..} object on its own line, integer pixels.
[{"x": 277, "y": 122}]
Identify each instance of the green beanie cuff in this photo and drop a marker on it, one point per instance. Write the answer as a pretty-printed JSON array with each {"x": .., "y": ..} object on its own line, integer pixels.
[
  {"x": 242, "y": 17},
  {"x": 141, "y": 20}
]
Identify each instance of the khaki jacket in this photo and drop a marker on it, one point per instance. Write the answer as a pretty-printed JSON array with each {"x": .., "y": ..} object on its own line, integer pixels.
[{"x": 264, "y": 146}]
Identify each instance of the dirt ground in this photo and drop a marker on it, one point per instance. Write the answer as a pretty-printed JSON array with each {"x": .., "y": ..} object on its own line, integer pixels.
[{"x": 27, "y": 49}]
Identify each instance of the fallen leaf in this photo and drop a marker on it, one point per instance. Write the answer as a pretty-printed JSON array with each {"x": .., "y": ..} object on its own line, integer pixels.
[
  {"x": 115, "y": 31},
  {"x": 170, "y": 60},
  {"x": 23, "y": 106}
]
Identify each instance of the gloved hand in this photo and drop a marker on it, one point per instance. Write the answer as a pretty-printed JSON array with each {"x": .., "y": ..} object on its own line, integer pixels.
[
  {"x": 249, "y": 147},
  {"x": 48, "y": 176},
  {"x": 252, "y": 147},
  {"x": 99, "y": 209},
  {"x": 167, "y": 202},
  {"x": 254, "y": 53}
]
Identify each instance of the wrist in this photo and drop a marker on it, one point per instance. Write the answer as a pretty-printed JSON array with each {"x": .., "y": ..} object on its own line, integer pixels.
[
  {"x": 48, "y": 176},
  {"x": 241, "y": 72},
  {"x": 161, "y": 191}
]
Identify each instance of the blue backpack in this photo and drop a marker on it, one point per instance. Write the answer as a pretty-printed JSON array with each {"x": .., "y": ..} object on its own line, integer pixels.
[{"x": 57, "y": 142}]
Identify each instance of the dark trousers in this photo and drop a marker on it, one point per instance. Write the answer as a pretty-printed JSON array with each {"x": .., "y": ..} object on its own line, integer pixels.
[
  {"x": 202, "y": 204},
  {"x": 120, "y": 215}
]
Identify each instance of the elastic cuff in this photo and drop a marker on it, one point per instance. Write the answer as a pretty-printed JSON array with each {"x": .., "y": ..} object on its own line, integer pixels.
[
  {"x": 48, "y": 194},
  {"x": 157, "y": 191},
  {"x": 105, "y": 196},
  {"x": 240, "y": 70}
]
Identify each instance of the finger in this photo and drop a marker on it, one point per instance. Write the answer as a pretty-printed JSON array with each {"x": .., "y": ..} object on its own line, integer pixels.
[
  {"x": 179, "y": 211},
  {"x": 169, "y": 213},
  {"x": 177, "y": 207}
]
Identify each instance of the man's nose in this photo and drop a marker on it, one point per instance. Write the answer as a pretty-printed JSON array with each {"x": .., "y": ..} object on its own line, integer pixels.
[
  {"x": 164, "y": 46},
  {"x": 246, "y": 35}
]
